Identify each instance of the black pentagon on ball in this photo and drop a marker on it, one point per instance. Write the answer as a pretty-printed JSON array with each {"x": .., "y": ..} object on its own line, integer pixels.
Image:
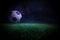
[
  {"x": 14, "y": 19},
  {"x": 17, "y": 13}
]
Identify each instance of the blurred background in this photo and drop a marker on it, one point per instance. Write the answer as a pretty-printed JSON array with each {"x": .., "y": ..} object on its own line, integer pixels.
[
  {"x": 32, "y": 10},
  {"x": 39, "y": 20}
]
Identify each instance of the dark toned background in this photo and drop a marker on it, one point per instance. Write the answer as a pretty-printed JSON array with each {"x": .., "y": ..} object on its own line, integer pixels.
[{"x": 32, "y": 10}]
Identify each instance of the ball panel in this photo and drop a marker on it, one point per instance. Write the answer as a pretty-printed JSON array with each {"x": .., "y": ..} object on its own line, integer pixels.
[{"x": 14, "y": 19}]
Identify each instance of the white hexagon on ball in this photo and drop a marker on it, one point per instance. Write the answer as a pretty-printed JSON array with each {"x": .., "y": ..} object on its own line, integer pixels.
[{"x": 15, "y": 16}]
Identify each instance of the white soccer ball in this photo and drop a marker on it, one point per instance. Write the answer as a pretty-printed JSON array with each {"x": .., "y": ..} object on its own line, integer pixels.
[{"x": 15, "y": 16}]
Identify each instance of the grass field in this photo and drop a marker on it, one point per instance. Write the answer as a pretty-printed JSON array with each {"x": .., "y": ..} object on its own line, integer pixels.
[
  {"x": 29, "y": 31},
  {"x": 28, "y": 26}
]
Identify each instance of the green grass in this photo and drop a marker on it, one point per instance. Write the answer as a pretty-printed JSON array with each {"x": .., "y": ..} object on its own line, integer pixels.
[
  {"x": 28, "y": 31},
  {"x": 28, "y": 26}
]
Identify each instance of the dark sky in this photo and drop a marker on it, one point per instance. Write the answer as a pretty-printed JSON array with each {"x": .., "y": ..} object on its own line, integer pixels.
[{"x": 32, "y": 10}]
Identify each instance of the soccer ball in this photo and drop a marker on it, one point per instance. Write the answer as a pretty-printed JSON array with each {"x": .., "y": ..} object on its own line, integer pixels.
[{"x": 15, "y": 16}]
